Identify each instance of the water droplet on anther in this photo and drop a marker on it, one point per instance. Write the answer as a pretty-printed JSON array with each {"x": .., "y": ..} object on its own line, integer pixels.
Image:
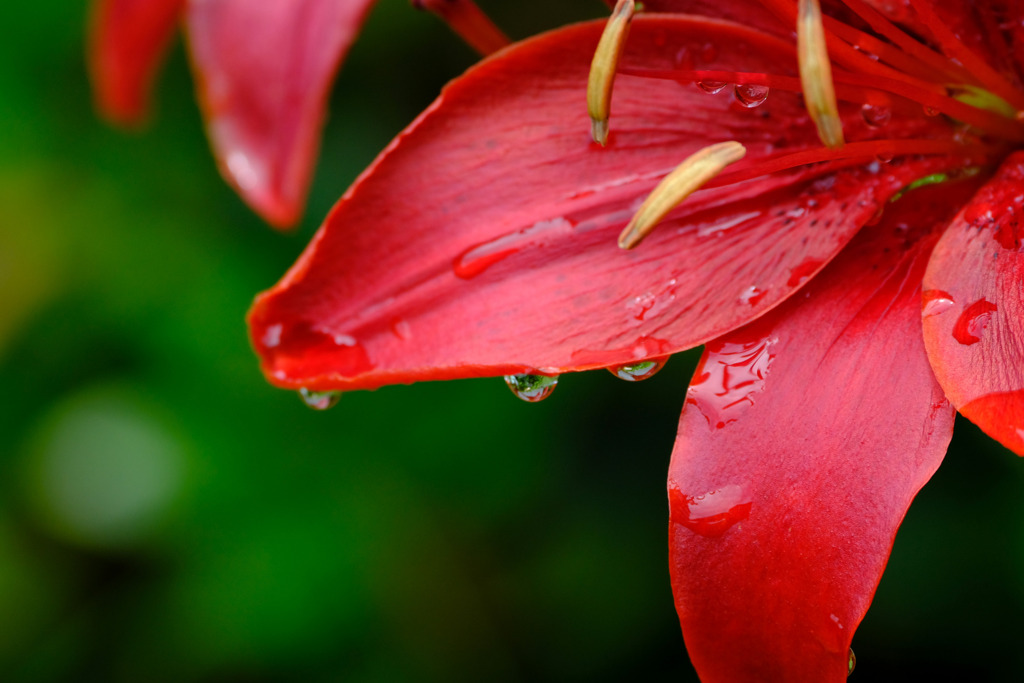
[
  {"x": 875, "y": 116},
  {"x": 851, "y": 663},
  {"x": 637, "y": 372},
  {"x": 531, "y": 388},
  {"x": 711, "y": 87},
  {"x": 750, "y": 95},
  {"x": 319, "y": 400}
]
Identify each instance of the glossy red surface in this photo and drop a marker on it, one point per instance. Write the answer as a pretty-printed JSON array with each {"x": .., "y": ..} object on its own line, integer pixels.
[{"x": 804, "y": 438}]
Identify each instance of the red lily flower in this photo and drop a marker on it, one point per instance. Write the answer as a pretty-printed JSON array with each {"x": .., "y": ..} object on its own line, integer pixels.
[
  {"x": 847, "y": 295},
  {"x": 263, "y": 71}
]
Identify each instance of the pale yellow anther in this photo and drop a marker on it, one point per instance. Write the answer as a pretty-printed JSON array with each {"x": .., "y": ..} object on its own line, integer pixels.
[
  {"x": 604, "y": 66},
  {"x": 816, "y": 74},
  {"x": 686, "y": 179}
]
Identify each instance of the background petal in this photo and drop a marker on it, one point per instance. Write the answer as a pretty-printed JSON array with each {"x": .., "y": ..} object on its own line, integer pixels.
[
  {"x": 264, "y": 71},
  {"x": 803, "y": 440},
  {"x": 974, "y": 308},
  {"x": 127, "y": 41},
  {"x": 483, "y": 241}
]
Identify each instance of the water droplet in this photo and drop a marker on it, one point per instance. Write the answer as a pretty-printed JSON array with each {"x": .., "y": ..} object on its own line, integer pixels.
[
  {"x": 935, "y": 301},
  {"x": 401, "y": 329},
  {"x": 639, "y": 305},
  {"x": 729, "y": 377},
  {"x": 851, "y": 663},
  {"x": 752, "y": 295},
  {"x": 709, "y": 52},
  {"x": 479, "y": 258},
  {"x": 637, "y": 372},
  {"x": 348, "y": 358},
  {"x": 713, "y": 513},
  {"x": 931, "y": 111},
  {"x": 711, "y": 87},
  {"x": 885, "y": 157},
  {"x": 750, "y": 95},
  {"x": 719, "y": 226},
  {"x": 319, "y": 400},
  {"x": 272, "y": 336},
  {"x": 531, "y": 388},
  {"x": 973, "y": 322},
  {"x": 684, "y": 59},
  {"x": 806, "y": 269},
  {"x": 875, "y": 116}
]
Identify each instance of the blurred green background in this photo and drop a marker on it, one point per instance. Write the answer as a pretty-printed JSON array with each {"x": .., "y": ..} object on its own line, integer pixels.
[{"x": 165, "y": 515}]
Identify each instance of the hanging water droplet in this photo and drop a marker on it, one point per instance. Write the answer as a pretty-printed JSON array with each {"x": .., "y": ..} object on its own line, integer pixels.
[
  {"x": 711, "y": 87},
  {"x": 885, "y": 157},
  {"x": 875, "y": 116},
  {"x": 637, "y": 372},
  {"x": 851, "y": 663},
  {"x": 319, "y": 400},
  {"x": 750, "y": 95},
  {"x": 532, "y": 388}
]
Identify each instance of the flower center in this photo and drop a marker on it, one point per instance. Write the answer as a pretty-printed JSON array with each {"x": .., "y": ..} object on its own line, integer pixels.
[{"x": 879, "y": 66}]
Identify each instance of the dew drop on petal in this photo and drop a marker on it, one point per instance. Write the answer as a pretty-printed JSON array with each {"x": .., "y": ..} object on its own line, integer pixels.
[
  {"x": 750, "y": 95},
  {"x": 713, "y": 513},
  {"x": 973, "y": 322},
  {"x": 851, "y": 663},
  {"x": 730, "y": 378},
  {"x": 875, "y": 116},
  {"x": 532, "y": 388},
  {"x": 935, "y": 301},
  {"x": 319, "y": 400},
  {"x": 637, "y": 372},
  {"x": 711, "y": 87},
  {"x": 931, "y": 111},
  {"x": 752, "y": 295}
]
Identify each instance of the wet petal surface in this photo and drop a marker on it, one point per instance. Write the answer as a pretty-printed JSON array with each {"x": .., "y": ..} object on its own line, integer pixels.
[
  {"x": 974, "y": 308},
  {"x": 803, "y": 440},
  {"x": 483, "y": 241}
]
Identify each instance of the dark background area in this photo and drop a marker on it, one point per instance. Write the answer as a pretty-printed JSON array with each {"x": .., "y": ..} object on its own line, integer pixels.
[{"x": 166, "y": 515}]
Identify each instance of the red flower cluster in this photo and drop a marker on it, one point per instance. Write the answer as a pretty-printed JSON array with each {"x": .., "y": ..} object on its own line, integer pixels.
[{"x": 850, "y": 296}]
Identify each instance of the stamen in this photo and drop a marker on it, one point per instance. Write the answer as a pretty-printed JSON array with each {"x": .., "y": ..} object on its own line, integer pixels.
[
  {"x": 954, "y": 48},
  {"x": 816, "y": 74},
  {"x": 911, "y": 46},
  {"x": 604, "y": 66},
  {"x": 686, "y": 179},
  {"x": 859, "y": 152},
  {"x": 469, "y": 21}
]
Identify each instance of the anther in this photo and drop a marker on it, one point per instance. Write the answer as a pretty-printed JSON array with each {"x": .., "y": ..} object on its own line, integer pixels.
[
  {"x": 603, "y": 67},
  {"x": 816, "y": 74},
  {"x": 686, "y": 179}
]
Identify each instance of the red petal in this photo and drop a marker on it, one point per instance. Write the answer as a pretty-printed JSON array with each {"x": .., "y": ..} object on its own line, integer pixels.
[
  {"x": 803, "y": 440},
  {"x": 264, "y": 70},
  {"x": 752, "y": 14},
  {"x": 127, "y": 41},
  {"x": 974, "y": 308},
  {"x": 483, "y": 241}
]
